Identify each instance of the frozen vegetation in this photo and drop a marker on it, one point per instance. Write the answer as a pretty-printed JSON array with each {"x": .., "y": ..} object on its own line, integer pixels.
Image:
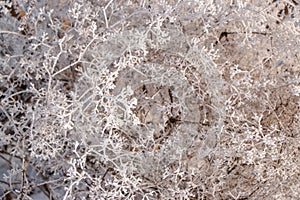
[{"x": 149, "y": 99}]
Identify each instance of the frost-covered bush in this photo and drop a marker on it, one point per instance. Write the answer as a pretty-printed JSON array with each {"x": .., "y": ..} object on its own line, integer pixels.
[{"x": 149, "y": 99}]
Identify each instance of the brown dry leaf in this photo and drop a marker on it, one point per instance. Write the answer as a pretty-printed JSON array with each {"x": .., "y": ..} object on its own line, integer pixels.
[
  {"x": 66, "y": 23},
  {"x": 133, "y": 149},
  {"x": 156, "y": 147}
]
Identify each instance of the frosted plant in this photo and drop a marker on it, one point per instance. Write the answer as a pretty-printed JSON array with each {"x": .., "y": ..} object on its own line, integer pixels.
[{"x": 149, "y": 99}]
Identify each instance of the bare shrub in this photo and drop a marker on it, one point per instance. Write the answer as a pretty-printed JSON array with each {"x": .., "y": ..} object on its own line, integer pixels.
[{"x": 149, "y": 99}]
